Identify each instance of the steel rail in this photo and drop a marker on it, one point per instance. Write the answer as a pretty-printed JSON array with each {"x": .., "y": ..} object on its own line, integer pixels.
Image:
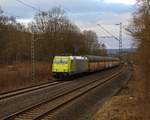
[
  {"x": 26, "y": 90},
  {"x": 23, "y": 90},
  {"x": 76, "y": 90},
  {"x": 79, "y": 95}
]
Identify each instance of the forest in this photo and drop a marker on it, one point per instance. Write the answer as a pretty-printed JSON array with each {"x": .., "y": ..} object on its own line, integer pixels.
[
  {"x": 27, "y": 51},
  {"x": 53, "y": 34}
]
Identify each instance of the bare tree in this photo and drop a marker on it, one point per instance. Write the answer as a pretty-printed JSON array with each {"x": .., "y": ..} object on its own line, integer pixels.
[{"x": 141, "y": 34}]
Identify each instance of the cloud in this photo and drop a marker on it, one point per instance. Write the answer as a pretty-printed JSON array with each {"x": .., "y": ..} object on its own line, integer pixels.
[
  {"x": 85, "y": 13},
  {"x": 24, "y": 21},
  {"x": 127, "y": 2},
  {"x": 108, "y": 21},
  {"x": 70, "y": 6}
]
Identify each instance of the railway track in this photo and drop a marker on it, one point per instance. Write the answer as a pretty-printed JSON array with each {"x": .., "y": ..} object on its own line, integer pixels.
[
  {"x": 45, "y": 109},
  {"x": 26, "y": 90}
]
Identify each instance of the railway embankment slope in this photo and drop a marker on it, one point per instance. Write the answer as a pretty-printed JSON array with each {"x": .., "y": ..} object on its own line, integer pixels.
[{"x": 128, "y": 104}]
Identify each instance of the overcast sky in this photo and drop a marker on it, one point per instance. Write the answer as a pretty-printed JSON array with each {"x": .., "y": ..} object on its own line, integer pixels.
[{"x": 84, "y": 13}]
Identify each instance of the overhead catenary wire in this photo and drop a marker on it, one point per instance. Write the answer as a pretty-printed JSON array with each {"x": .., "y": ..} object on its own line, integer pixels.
[
  {"x": 39, "y": 10},
  {"x": 111, "y": 35},
  {"x": 28, "y": 5},
  {"x": 36, "y": 9}
]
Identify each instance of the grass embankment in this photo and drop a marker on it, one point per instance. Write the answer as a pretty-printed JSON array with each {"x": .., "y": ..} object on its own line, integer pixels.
[
  {"x": 19, "y": 75},
  {"x": 130, "y": 104}
]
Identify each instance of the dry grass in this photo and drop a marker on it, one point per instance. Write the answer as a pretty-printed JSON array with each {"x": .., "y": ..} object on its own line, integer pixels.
[
  {"x": 19, "y": 76},
  {"x": 129, "y": 104}
]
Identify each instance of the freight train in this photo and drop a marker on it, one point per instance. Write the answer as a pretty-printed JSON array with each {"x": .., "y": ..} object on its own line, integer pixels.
[{"x": 65, "y": 66}]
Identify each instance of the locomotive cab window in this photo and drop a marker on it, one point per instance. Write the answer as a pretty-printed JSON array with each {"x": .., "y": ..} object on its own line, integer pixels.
[{"x": 61, "y": 61}]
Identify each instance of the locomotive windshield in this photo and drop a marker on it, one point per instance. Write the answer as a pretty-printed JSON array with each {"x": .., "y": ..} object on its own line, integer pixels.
[{"x": 61, "y": 61}]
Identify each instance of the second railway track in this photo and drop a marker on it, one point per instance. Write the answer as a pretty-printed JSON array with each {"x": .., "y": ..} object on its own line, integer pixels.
[
  {"x": 45, "y": 108},
  {"x": 28, "y": 89}
]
